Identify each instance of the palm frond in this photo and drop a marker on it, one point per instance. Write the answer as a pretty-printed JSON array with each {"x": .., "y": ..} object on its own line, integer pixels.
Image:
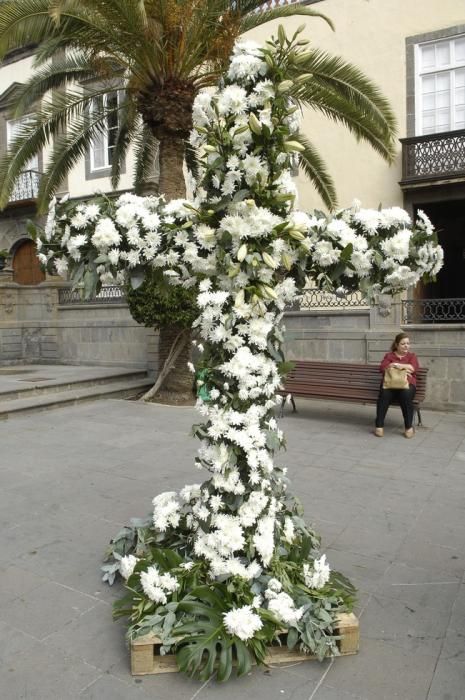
[
  {"x": 23, "y": 23},
  {"x": 192, "y": 159},
  {"x": 69, "y": 148},
  {"x": 128, "y": 127},
  {"x": 315, "y": 169},
  {"x": 259, "y": 17},
  {"x": 342, "y": 92},
  {"x": 55, "y": 76},
  {"x": 146, "y": 155},
  {"x": 51, "y": 120}
]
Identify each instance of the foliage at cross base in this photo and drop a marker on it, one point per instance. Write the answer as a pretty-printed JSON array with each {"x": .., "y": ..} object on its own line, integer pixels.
[{"x": 223, "y": 568}]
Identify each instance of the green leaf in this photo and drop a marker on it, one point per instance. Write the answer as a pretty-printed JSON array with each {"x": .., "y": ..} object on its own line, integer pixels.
[
  {"x": 205, "y": 648},
  {"x": 292, "y": 638}
]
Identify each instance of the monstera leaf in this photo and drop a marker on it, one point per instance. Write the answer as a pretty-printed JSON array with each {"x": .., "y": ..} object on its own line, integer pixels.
[{"x": 206, "y": 648}]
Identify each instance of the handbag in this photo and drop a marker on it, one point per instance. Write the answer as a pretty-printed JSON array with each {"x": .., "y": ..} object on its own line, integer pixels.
[{"x": 395, "y": 378}]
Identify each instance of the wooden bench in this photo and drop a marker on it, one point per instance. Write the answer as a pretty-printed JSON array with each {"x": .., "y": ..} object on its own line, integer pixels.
[{"x": 342, "y": 381}]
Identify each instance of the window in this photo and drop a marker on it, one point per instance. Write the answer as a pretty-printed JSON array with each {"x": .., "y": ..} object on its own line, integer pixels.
[
  {"x": 441, "y": 86},
  {"x": 103, "y": 145},
  {"x": 13, "y": 127}
]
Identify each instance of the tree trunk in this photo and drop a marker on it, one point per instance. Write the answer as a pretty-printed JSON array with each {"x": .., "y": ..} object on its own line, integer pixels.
[
  {"x": 171, "y": 154},
  {"x": 179, "y": 380}
]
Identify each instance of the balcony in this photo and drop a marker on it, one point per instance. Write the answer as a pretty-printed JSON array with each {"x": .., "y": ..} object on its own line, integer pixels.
[
  {"x": 26, "y": 187},
  {"x": 435, "y": 158},
  {"x": 433, "y": 310}
]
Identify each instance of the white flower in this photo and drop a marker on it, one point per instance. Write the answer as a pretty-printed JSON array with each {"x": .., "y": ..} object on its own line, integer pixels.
[
  {"x": 395, "y": 216},
  {"x": 166, "y": 511},
  {"x": 247, "y": 63},
  {"x": 242, "y": 622},
  {"x": 106, "y": 234},
  {"x": 126, "y": 565},
  {"x": 282, "y": 605},
  {"x": 232, "y": 100},
  {"x": 325, "y": 254},
  {"x": 424, "y": 223},
  {"x": 263, "y": 538},
  {"x": 369, "y": 219},
  {"x": 397, "y": 246},
  {"x": 317, "y": 577},
  {"x": 150, "y": 581},
  {"x": 156, "y": 585},
  {"x": 189, "y": 492},
  {"x": 61, "y": 266},
  {"x": 289, "y": 530}
]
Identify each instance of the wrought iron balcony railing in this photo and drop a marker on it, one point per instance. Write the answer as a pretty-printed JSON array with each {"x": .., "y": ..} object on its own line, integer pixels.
[
  {"x": 314, "y": 298},
  {"x": 433, "y": 156},
  {"x": 110, "y": 294},
  {"x": 433, "y": 310},
  {"x": 26, "y": 187}
]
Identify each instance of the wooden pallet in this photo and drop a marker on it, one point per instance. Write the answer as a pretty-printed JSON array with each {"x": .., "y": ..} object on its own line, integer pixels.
[{"x": 146, "y": 658}]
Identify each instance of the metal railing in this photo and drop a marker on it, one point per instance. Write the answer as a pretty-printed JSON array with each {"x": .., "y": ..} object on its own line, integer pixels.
[
  {"x": 26, "y": 186},
  {"x": 450, "y": 310},
  {"x": 314, "y": 298},
  {"x": 432, "y": 156},
  {"x": 110, "y": 294}
]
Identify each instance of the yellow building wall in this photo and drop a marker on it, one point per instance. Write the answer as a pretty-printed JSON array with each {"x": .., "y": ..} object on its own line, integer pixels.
[{"x": 370, "y": 34}]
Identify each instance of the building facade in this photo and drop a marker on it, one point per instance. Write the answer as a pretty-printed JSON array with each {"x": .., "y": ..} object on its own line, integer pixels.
[{"x": 415, "y": 53}]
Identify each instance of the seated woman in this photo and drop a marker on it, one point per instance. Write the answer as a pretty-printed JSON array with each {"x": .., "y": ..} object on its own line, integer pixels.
[{"x": 399, "y": 357}]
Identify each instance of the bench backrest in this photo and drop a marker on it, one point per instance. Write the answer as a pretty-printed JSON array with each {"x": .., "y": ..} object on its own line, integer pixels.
[{"x": 343, "y": 378}]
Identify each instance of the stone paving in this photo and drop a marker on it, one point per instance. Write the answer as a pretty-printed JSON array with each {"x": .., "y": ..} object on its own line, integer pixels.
[{"x": 390, "y": 511}]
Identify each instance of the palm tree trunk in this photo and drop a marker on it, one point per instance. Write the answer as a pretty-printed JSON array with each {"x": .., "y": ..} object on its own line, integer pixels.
[
  {"x": 175, "y": 377},
  {"x": 171, "y": 154}
]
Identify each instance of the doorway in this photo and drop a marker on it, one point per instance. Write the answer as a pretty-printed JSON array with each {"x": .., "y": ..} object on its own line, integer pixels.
[{"x": 26, "y": 266}]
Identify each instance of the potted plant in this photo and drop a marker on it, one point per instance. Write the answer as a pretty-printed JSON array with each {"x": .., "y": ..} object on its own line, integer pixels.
[{"x": 3, "y": 256}]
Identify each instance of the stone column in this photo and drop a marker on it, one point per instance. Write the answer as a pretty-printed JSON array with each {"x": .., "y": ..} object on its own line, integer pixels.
[{"x": 385, "y": 323}]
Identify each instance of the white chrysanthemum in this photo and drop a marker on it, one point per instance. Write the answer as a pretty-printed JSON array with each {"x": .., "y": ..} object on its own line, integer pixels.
[
  {"x": 61, "y": 266},
  {"x": 150, "y": 581},
  {"x": 263, "y": 538},
  {"x": 189, "y": 492},
  {"x": 424, "y": 223},
  {"x": 363, "y": 262},
  {"x": 318, "y": 575},
  {"x": 106, "y": 234},
  {"x": 247, "y": 62},
  {"x": 369, "y": 219},
  {"x": 80, "y": 220},
  {"x": 262, "y": 92},
  {"x": 397, "y": 246},
  {"x": 289, "y": 530},
  {"x": 126, "y": 565},
  {"x": 166, "y": 510},
  {"x": 74, "y": 244},
  {"x": 282, "y": 605},
  {"x": 202, "y": 111},
  {"x": 250, "y": 510},
  {"x": 113, "y": 256},
  {"x": 325, "y": 254},
  {"x": 395, "y": 216},
  {"x": 232, "y": 100},
  {"x": 242, "y": 622},
  {"x": 402, "y": 277}
]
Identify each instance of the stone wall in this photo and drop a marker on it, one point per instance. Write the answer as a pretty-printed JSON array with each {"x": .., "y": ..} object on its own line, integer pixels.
[{"x": 35, "y": 328}]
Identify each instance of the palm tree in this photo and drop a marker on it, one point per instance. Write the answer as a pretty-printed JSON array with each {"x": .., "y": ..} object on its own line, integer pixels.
[
  {"x": 139, "y": 64},
  {"x": 155, "y": 55}
]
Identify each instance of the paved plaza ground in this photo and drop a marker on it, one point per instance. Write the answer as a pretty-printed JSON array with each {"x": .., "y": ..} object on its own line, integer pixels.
[{"x": 390, "y": 511}]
